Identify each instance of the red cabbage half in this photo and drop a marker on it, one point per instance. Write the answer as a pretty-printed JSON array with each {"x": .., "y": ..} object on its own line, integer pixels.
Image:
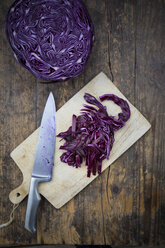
[
  {"x": 51, "y": 38},
  {"x": 91, "y": 135}
]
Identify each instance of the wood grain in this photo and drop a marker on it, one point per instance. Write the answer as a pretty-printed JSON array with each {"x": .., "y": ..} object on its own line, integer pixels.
[
  {"x": 68, "y": 181},
  {"x": 129, "y": 209}
]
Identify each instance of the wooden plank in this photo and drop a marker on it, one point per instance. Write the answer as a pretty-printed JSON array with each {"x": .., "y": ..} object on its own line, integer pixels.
[
  {"x": 17, "y": 121},
  {"x": 136, "y": 49},
  {"x": 149, "y": 76}
]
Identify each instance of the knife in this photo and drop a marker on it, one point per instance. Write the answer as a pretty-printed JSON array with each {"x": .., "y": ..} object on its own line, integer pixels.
[{"x": 43, "y": 162}]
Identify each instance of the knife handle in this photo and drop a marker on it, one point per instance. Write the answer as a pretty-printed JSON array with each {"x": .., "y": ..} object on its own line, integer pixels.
[{"x": 32, "y": 205}]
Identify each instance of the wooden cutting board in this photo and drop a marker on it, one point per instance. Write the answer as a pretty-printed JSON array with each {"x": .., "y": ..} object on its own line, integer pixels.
[{"x": 68, "y": 181}]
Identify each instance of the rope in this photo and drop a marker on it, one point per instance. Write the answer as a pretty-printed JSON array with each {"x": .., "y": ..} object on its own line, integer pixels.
[{"x": 11, "y": 217}]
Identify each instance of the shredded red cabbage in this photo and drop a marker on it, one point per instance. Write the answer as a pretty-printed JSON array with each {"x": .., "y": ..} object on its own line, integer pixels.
[
  {"x": 51, "y": 38},
  {"x": 91, "y": 135}
]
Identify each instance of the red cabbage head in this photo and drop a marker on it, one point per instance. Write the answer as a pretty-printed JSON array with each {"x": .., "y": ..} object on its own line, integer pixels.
[{"x": 52, "y": 39}]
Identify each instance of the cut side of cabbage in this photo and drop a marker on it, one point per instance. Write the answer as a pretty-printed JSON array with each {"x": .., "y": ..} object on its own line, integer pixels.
[{"x": 52, "y": 39}]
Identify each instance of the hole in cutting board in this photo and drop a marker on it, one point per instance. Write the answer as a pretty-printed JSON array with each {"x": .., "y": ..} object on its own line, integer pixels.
[{"x": 18, "y": 194}]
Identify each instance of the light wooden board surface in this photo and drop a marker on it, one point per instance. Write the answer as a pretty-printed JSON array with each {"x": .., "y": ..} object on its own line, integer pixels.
[{"x": 68, "y": 181}]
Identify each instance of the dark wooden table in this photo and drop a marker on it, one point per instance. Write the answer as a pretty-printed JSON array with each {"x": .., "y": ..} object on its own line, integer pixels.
[{"x": 126, "y": 205}]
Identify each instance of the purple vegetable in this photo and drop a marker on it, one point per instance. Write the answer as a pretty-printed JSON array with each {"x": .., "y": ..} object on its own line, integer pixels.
[
  {"x": 91, "y": 135},
  {"x": 51, "y": 38}
]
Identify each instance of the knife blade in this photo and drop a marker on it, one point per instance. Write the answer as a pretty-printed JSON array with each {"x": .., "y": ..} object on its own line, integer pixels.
[{"x": 43, "y": 162}]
